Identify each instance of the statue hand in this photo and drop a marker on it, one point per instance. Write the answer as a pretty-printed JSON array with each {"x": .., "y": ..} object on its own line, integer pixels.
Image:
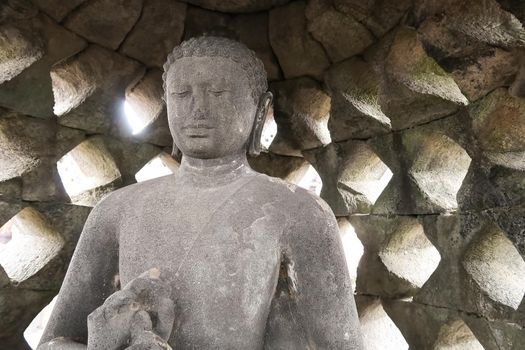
[
  {"x": 143, "y": 337},
  {"x": 111, "y": 325}
]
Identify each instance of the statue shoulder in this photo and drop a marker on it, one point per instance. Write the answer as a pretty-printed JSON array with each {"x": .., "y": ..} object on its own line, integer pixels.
[
  {"x": 303, "y": 203},
  {"x": 117, "y": 201}
]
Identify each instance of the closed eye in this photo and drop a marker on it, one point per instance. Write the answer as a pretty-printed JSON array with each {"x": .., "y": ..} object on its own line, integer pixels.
[
  {"x": 181, "y": 93},
  {"x": 218, "y": 92}
]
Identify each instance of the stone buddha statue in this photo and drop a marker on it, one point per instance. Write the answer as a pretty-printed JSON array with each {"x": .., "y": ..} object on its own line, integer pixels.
[{"x": 216, "y": 256}]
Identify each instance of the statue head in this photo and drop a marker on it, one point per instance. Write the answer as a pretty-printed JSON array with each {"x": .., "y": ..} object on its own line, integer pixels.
[{"x": 216, "y": 98}]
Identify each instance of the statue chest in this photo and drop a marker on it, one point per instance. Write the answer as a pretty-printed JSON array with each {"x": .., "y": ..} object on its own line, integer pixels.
[{"x": 220, "y": 252}]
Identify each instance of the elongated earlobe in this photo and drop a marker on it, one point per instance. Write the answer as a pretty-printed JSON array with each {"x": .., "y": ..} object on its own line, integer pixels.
[{"x": 254, "y": 143}]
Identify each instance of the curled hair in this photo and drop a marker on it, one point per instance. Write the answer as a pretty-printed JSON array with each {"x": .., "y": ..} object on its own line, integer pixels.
[{"x": 214, "y": 46}]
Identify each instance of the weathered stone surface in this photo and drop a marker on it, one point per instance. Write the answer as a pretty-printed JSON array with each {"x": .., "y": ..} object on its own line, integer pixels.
[
  {"x": 11, "y": 189},
  {"x": 428, "y": 166},
  {"x": 162, "y": 20},
  {"x": 18, "y": 307},
  {"x": 43, "y": 183},
  {"x": 476, "y": 67},
  {"x": 19, "y": 49},
  {"x": 24, "y": 142},
  {"x": 297, "y": 52},
  {"x": 480, "y": 260},
  {"x": 498, "y": 122},
  {"x": 301, "y": 111},
  {"x": 200, "y": 21},
  {"x": 379, "y": 16},
  {"x": 340, "y": 34},
  {"x": 352, "y": 175},
  {"x": 398, "y": 258},
  {"x": 33, "y": 245},
  {"x": 250, "y": 29},
  {"x": 494, "y": 334},
  {"x": 87, "y": 167},
  {"x": 379, "y": 331},
  {"x": 416, "y": 83},
  {"x": 237, "y": 5},
  {"x": 89, "y": 88},
  {"x": 291, "y": 169},
  {"x": 105, "y": 22},
  {"x": 130, "y": 156},
  {"x": 148, "y": 110},
  {"x": 354, "y": 86},
  {"x": 30, "y": 91},
  {"x": 518, "y": 85},
  {"x": 426, "y": 327},
  {"x": 58, "y": 9},
  {"x": 484, "y": 21}
]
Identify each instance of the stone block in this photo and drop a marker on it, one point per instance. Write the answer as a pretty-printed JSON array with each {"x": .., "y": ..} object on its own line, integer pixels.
[
  {"x": 250, "y": 29},
  {"x": 353, "y": 175},
  {"x": 159, "y": 19},
  {"x": 20, "y": 49},
  {"x": 484, "y": 21},
  {"x": 378, "y": 16},
  {"x": 291, "y": 169},
  {"x": 476, "y": 67},
  {"x": 89, "y": 89},
  {"x": 297, "y": 52},
  {"x": 301, "y": 111},
  {"x": 57, "y": 9},
  {"x": 398, "y": 257},
  {"x": 237, "y": 5},
  {"x": 354, "y": 87},
  {"x": 429, "y": 168},
  {"x": 430, "y": 328},
  {"x": 105, "y": 22},
  {"x": 30, "y": 91},
  {"x": 25, "y": 141},
  {"x": 378, "y": 329},
  {"x": 86, "y": 168},
  {"x": 416, "y": 83},
  {"x": 340, "y": 34}
]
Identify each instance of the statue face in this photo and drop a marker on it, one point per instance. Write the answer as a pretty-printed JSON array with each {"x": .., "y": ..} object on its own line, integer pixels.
[{"x": 210, "y": 107}]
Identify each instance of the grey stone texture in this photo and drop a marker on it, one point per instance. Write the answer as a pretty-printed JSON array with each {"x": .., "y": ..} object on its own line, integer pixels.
[{"x": 411, "y": 112}]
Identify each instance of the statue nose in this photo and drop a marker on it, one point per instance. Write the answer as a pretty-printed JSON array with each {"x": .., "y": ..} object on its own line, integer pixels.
[{"x": 200, "y": 103}]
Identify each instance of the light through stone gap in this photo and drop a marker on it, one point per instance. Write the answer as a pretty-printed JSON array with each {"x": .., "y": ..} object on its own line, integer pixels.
[
  {"x": 136, "y": 123},
  {"x": 161, "y": 165},
  {"x": 36, "y": 328},
  {"x": 269, "y": 132},
  {"x": 311, "y": 181},
  {"x": 352, "y": 246}
]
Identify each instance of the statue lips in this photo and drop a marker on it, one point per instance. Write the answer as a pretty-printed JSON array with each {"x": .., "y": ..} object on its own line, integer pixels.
[{"x": 197, "y": 130}]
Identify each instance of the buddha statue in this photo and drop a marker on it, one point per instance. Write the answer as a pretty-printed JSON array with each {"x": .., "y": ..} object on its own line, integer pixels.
[{"x": 216, "y": 256}]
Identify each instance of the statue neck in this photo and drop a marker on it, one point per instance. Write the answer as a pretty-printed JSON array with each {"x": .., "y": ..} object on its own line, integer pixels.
[{"x": 213, "y": 172}]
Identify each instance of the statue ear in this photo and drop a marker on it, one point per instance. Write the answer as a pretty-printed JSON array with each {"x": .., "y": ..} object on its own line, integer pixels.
[{"x": 254, "y": 142}]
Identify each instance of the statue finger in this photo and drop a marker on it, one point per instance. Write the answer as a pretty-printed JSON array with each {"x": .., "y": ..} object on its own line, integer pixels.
[
  {"x": 165, "y": 317},
  {"x": 141, "y": 323},
  {"x": 119, "y": 302}
]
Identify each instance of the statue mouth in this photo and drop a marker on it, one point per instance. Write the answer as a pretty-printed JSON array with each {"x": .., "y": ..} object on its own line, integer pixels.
[{"x": 198, "y": 131}]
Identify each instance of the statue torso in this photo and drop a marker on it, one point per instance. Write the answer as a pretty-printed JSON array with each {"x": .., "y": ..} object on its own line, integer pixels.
[{"x": 219, "y": 248}]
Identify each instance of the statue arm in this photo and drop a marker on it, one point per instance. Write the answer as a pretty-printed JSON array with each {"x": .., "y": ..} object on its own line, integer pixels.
[
  {"x": 319, "y": 282},
  {"x": 89, "y": 281}
]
